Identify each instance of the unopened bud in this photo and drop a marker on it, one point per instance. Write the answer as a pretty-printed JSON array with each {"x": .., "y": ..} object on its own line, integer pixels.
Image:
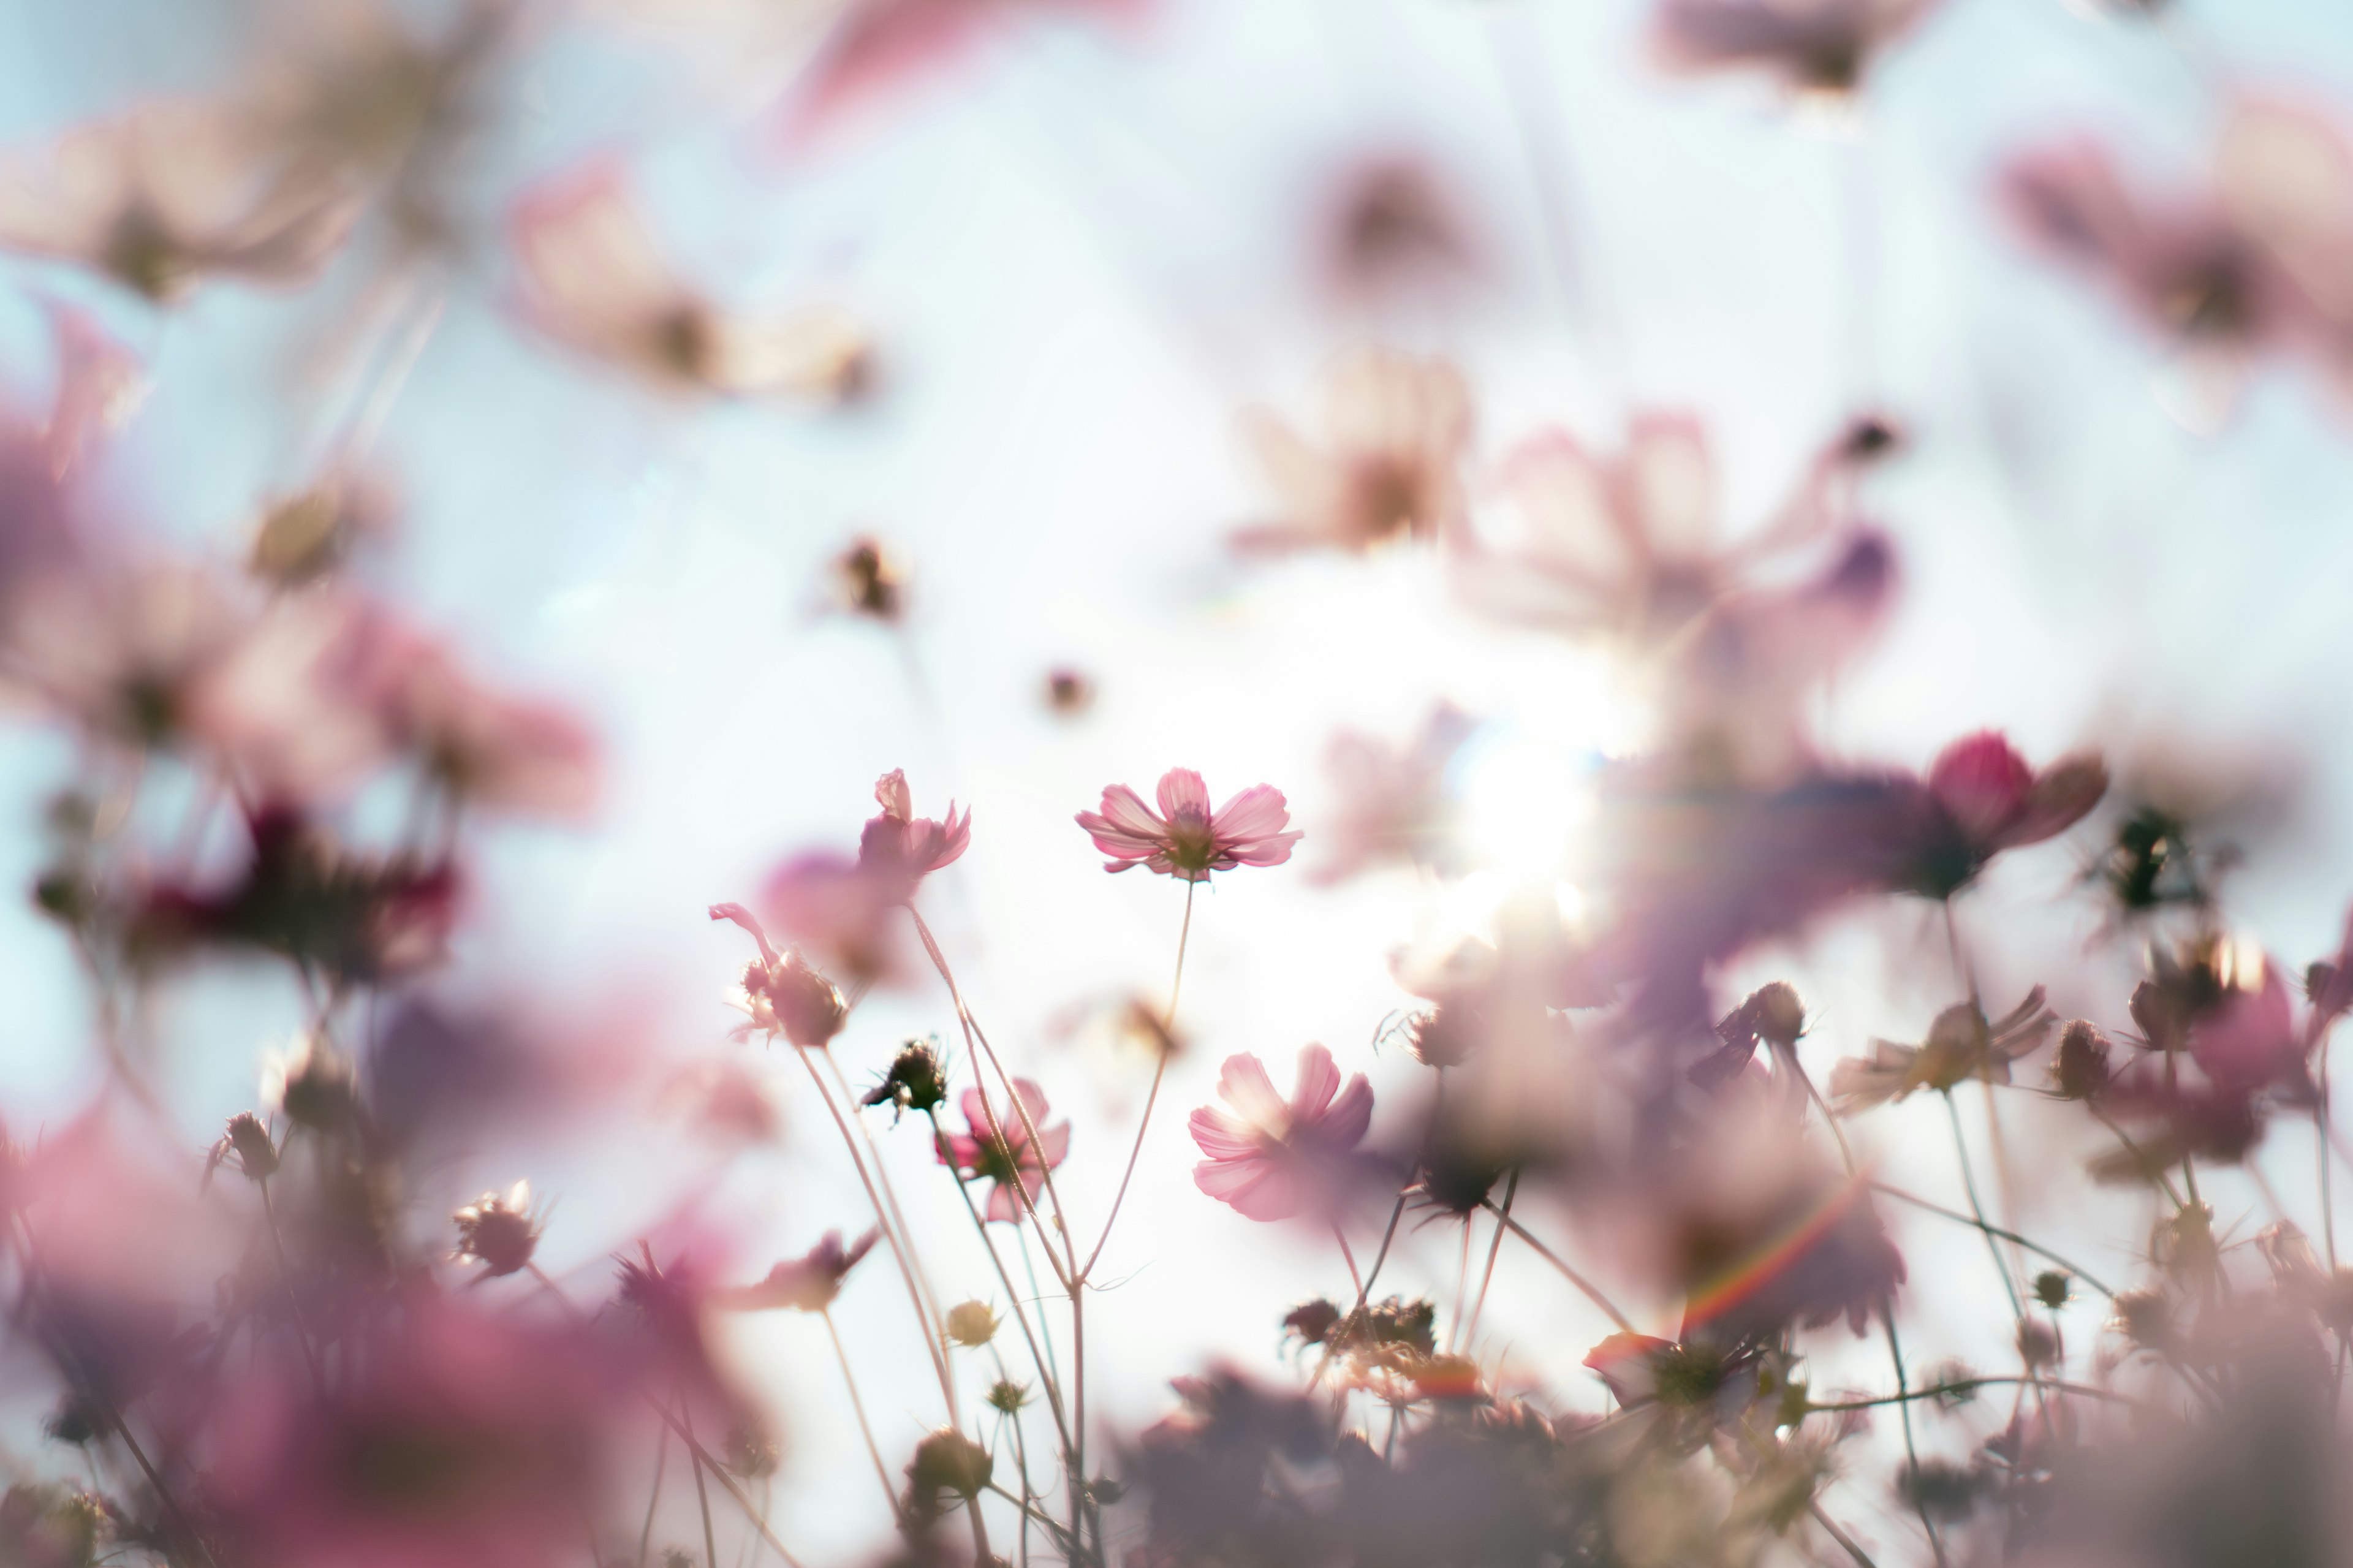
[
  {"x": 1775, "y": 1014},
  {"x": 2079, "y": 1069},
  {"x": 498, "y": 1231}
]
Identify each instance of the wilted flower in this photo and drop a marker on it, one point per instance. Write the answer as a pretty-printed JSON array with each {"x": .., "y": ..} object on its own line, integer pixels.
[
  {"x": 249, "y": 1141},
  {"x": 595, "y": 279},
  {"x": 1189, "y": 841},
  {"x": 1813, "y": 45},
  {"x": 1961, "y": 1045},
  {"x": 498, "y": 1229},
  {"x": 1270, "y": 1158},
  {"x": 784, "y": 995},
  {"x": 998, "y": 1147},
  {"x": 1395, "y": 433},
  {"x": 806, "y": 1284},
  {"x": 1772, "y": 1014}
]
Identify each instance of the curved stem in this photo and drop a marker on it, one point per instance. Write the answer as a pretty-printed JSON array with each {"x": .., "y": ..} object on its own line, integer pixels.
[
  {"x": 1911, "y": 1449},
  {"x": 1168, "y": 1028},
  {"x": 2074, "y": 1267},
  {"x": 865, "y": 1430},
  {"x": 1397, "y": 1211},
  {"x": 1591, "y": 1292},
  {"x": 1511, "y": 1191},
  {"x": 1355, "y": 1278},
  {"x": 1977, "y": 1209}
]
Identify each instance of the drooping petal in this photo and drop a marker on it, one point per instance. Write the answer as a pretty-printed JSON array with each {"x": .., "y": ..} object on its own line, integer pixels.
[
  {"x": 1002, "y": 1205},
  {"x": 1258, "y": 1189},
  {"x": 1055, "y": 1143}
]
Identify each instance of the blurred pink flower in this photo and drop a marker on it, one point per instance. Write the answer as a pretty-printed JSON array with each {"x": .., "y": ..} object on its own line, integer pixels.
[
  {"x": 1394, "y": 432},
  {"x": 879, "y": 48},
  {"x": 1189, "y": 841},
  {"x": 489, "y": 750},
  {"x": 595, "y": 279},
  {"x": 173, "y": 191},
  {"x": 999, "y": 1146},
  {"x": 1980, "y": 798},
  {"x": 1815, "y": 46},
  {"x": 804, "y": 1284},
  {"x": 1270, "y": 1158},
  {"x": 1393, "y": 802},
  {"x": 844, "y": 908},
  {"x": 783, "y": 995}
]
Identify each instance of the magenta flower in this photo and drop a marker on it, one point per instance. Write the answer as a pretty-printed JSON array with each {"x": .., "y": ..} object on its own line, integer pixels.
[
  {"x": 999, "y": 1146},
  {"x": 1270, "y": 1157},
  {"x": 1980, "y": 798},
  {"x": 1189, "y": 840}
]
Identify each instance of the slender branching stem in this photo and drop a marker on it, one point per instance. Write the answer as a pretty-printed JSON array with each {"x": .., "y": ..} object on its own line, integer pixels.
[
  {"x": 1956, "y": 1216},
  {"x": 1977, "y": 1210},
  {"x": 293, "y": 1298},
  {"x": 1494, "y": 1247},
  {"x": 1968, "y": 1385},
  {"x": 1159, "y": 1071},
  {"x": 1591, "y": 1291},
  {"x": 1397, "y": 1211},
  {"x": 858, "y": 1405},
  {"x": 1355, "y": 1278},
  {"x": 1911, "y": 1448}
]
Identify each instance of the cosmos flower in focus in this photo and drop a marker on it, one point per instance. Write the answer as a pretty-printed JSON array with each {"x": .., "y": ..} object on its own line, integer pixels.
[
  {"x": 1961, "y": 1045},
  {"x": 804, "y": 1284},
  {"x": 1189, "y": 840},
  {"x": 1394, "y": 434},
  {"x": 1272, "y": 1158},
  {"x": 1813, "y": 45},
  {"x": 998, "y": 1147},
  {"x": 595, "y": 279},
  {"x": 174, "y": 191}
]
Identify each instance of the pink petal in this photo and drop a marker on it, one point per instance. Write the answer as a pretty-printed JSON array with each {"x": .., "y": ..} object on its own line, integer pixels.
[
  {"x": 1257, "y": 1189},
  {"x": 1125, "y": 810},
  {"x": 2060, "y": 796},
  {"x": 1272, "y": 851},
  {"x": 1258, "y": 812},
  {"x": 1033, "y": 1100},
  {"x": 1319, "y": 1080},
  {"x": 1983, "y": 783},
  {"x": 1182, "y": 791},
  {"x": 1055, "y": 1144},
  {"x": 1243, "y": 1083},
  {"x": 1001, "y": 1204},
  {"x": 1345, "y": 1119},
  {"x": 975, "y": 1108},
  {"x": 1221, "y": 1136}
]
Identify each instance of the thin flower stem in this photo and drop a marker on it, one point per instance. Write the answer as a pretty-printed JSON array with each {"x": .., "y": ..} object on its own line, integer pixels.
[
  {"x": 1462, "y": 1281},
  {"x": 1397, "y": 1211},
  {"x": 1354, "y": 1276},
  {"x": 1044, "y": 1363},
  {"x": 914, "y": 1297},
  {"x": 1788, "y": 1053},
  {"x": 1911, "y": 1449},
  {"x": 1585, "y": 1287},
  {"x": 293, "y": 1301},
  {"x": 2141, "y": 1161},
  {"x": 1077, "y": 1479},
  {"x": 1012, "y": 1419},
  {"x": 1159, "y": 1071},
  {"x": 890, "y": 1194},
  {"x": 705, "y": 1463},
  {"x": 1831, "y": 1526},
  {"x": 1038, "y": 1295},
  {"x": 646, "y": 1533},
  {"x": 981, "y": 1556},
  {"x": 2009, "y": 1235},
  {"x": 976, "y": 1038},
  {"x": 1977, "y": 1209},
  {"x": 1511, "y": 1191},
  {"x": 702, "y": 1498},
  {"x": 2320, "y": 1127},
  {"x": 1966, "y": 1386},
  {"x": 858, "y": 1405}
]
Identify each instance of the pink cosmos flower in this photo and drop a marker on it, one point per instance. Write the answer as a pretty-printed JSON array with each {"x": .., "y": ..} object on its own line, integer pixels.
[
  {"x": 880, "y": 47},
  {"x": 999, "y": 1146},
  {"x": 1980, "y": 798},
  {"x": 842, "y": 907},
  {"x": 804, "y": 1284},
  {"x": 1189, "y": 840},
  {"x": 1395, "y": 433},
  {"x": 594, "y": 278},
  {"x": 1394, "y": 801},
  {"x": 1271, "y": 1158},
  {"x": 1815, "y": 46},
  {"x": 783, "y": 995}
]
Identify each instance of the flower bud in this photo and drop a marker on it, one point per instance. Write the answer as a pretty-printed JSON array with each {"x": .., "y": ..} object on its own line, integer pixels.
[
  {"x": 2038, "y": 1343},
  {"x": 1775, "y": 1014},
  {"x": 971, "y": 1324},
  {"x": 498, "y": 1231},
  {"x": 2050, "y": 1288},
  {"x": 2079, "y": 1069},
  {"x": 1007, "y": 1395},
  {"x": 917, "y": 1080},
  {"x": 257, "y": 1156}
]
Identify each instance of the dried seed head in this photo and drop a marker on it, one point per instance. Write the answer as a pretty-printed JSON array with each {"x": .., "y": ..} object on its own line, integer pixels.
[
  {"x": 949, "y": 1461},
  {"x": 918, "y": 1079},
  {"x": 2051, "y": 1288},
  {"x": 754, "y": 1450},
  {"x": 971, "y": 1324},
  {"x": 1313, "y": 1321},
  {"x": 2145, "y": 1316},
  {"x": 498, "y": 1230},
  {"x": 1775, "y": 1014},
  {"x": 868, "y": 582},
  {"x": 1007, "y": 1395}
]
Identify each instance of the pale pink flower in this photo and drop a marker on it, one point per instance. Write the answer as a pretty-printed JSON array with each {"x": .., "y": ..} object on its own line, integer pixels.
[
  {"x": 123, "y": 652},
  {"x": 999, "y": 1146},
  {"x": 595, "y": 279},
  {"x": 1188, "y": 840},
  {"x": 1813, "y": 45},
  {"x": 879, "y": 48},
  {"x": 1271, "y": 1158},
  {"x": 1388, "y": 465},
  {"x": 489, "y": 749},
  {"x": 174, "y": 191},
  {"x": 845, "y": 908},
  {"x": 804, "y": 1284},
  {"x": 1394, "y": 801}
]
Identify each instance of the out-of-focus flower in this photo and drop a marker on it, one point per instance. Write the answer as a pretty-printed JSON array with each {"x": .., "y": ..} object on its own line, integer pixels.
[
  {"x": 880, "y": 48},
  {"x": 971, "y": 1324},
  {"x": 806, "y": 1284},
  {"x": 594, "y": 279},
  {"x": 1068, "y": 693},
  {"x": 174, "y": 191},
  {"x": 1394, "y": 432},
  {"x": 1392, "y": 229},
  {"x": 123, "y": 652},
  {"x": 945, "y": 1461},
  {"x": 1813, "y": 45},
  {"x": 784, "y": 995},
  {"x": 310, "y": 534},
  {"x": 1189, "y": 840},
  {"x": 489, "y": 750},
  {"x": 1271, "y": 1158},
  {"x": 248, "y": 1143},
  {"x": 498, "y": 1230},
  {"x": 2079, "y": 1067},
  {"x": 1772, "y": 1014},
  {"x": 845, "y": 907},
  {"x": 998, "y": 1147},
  {"x": 1980, "y": 798},
  {"x": 868, "y": 582},
  {"x": 1394, "y": 803},
  {"x": 1643, "y": 1370},
  {"x": 1961, "y": 1045}
]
